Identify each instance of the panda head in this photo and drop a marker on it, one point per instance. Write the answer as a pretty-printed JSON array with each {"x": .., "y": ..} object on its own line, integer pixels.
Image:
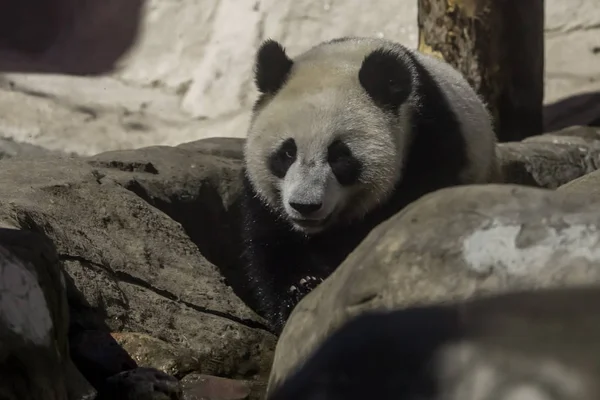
[{"x": 326, "y": 139}]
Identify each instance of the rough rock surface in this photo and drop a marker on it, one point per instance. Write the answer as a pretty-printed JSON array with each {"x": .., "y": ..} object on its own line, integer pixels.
[
  {"x": 10, "y": 148},
  {"x": 532, "y": 345},
  {"x": 574, "y": 135},
  {"x": 451, "y": 245},
  {"x": 206, "y": 387},
  {"x": 151, "y": 352},
  {"x": 138, "y": 232},
  {"x": 543, "y": 163},
  {"x": 141, "y": 384},
  {"x": 586, "y": 186},
  {"x": 177, "y": 82},
  {"x": 148, "y": 240},
  {"x": 97, "y": 355},
  {"x": 34, "y": 352}
]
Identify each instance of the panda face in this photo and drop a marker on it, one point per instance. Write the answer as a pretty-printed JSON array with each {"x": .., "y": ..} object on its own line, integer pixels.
[
  {"x": 328, "y": 134},
  {"x": 314, "y": 187},
  {"x": 324, "y": 157}
]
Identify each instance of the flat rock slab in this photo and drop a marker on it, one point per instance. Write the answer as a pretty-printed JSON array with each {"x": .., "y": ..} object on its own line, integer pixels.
[{"x": 132, "y": 267}]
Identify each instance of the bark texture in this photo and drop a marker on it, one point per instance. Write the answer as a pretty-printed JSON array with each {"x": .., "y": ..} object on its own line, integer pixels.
[{"x": 499, "y": 46}]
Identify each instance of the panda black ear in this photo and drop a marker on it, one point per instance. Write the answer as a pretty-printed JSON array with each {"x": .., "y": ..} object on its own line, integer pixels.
[
  {"x": 386, "y": 78},
  {"x": 272, "y": 67}
]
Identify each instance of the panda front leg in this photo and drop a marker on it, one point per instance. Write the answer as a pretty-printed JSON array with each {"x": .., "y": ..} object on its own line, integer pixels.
[{"x": 280, "y": 273}]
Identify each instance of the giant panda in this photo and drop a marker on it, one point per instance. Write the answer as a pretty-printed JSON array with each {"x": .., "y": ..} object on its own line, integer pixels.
[{"x": 341, "y": 138}]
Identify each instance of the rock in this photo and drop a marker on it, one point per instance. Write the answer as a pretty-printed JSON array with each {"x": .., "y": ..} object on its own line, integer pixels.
[
  {"x": 571, "y": 62},
  {"x": 78, "y": 386},
  {"x": 548, "y": 162},
  {"x": 536, "y": 345},
  {"x": 34, "y": 353},
  {"x": 10, "y": 148},
  {"x": 156, "y": 85},
  {"x": 451, "y": 245},
  {"x": 131, "y": 266},
  {"x": 205, "y": 193},
  {"x": 151, "y": 352},
  {"x": 87, "y": 116},
  {"x": 141, "y": 384},
  {"x": 588, "y": 136},
  {"x": 231, "y": 147},
  {"x": 98, "y": 356},
  {"x": 206, "y": 387},
  {"x": 587, "y": 186},
  {"x": 172, "y": 85}
]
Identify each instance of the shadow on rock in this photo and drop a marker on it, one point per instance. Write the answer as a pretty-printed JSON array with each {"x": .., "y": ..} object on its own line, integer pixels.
[
  {"x": 581, "y": 109},
  {"x": 66, "y": 36},
  {"x": 204, "y": 198},
  {"x": 140, "y": 289},
  {"x": 525, "y": 344}
]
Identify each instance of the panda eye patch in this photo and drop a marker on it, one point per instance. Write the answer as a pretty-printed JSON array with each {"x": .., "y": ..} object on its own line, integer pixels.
[
  {"x": 282, "y": 159},
  {"x": 344, "y": 165}
]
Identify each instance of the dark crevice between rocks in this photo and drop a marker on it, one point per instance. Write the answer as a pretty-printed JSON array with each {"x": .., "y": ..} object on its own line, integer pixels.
[
  {"x": 212, "y": 227},
  {"x": 129, "y": 166},
  {"x": 127, "y": 278}
]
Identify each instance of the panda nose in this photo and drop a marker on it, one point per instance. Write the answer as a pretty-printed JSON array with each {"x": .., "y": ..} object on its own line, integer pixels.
[{"x": 305, "y": 208}]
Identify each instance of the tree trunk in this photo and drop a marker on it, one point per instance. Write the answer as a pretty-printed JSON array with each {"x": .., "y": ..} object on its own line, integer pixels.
[{"x": 499, "y": 46}]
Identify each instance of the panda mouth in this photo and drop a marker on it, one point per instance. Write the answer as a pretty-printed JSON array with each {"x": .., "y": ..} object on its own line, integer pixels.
[{"x": 311, "y": 223}]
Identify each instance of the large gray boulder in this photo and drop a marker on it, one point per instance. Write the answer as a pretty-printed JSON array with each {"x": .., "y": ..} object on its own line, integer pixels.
[
  {"x": 451, "y": 245},
  {"x": 538, "y": 345}
]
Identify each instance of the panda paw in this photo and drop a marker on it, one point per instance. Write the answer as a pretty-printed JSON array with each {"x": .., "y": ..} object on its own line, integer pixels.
[{"x": 303, "y": 287}]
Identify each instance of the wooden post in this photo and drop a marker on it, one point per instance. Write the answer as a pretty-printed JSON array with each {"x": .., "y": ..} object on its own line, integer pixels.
[{"x": 499, "y": 46}]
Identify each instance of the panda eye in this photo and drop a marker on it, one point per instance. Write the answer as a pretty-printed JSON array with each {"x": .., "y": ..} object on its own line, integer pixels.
[
  {"x": 338, "y": 151},
  {"x": 282, "y": 159},
  {"x": 344, "y": 165},
  {"x": 288, "y": 149}
]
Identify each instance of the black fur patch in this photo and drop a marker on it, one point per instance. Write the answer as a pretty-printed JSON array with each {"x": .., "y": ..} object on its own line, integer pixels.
[
  {"x": 344, "y": 165},
  {"x": 262, "y": 100},
  {"x": 386, "y": 78},
  {"x": 272, "y": 67},
  {"x": 377, "y": 355},
  {"x": 437, "y": 153},
  {"x": 283, "y": 158}
]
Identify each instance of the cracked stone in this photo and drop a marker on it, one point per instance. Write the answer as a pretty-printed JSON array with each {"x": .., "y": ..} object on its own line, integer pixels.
[
  {"x": 148, "y": 351},
  {"x": 137, "y": 252},
  {"x": 34, "y": 356}
]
